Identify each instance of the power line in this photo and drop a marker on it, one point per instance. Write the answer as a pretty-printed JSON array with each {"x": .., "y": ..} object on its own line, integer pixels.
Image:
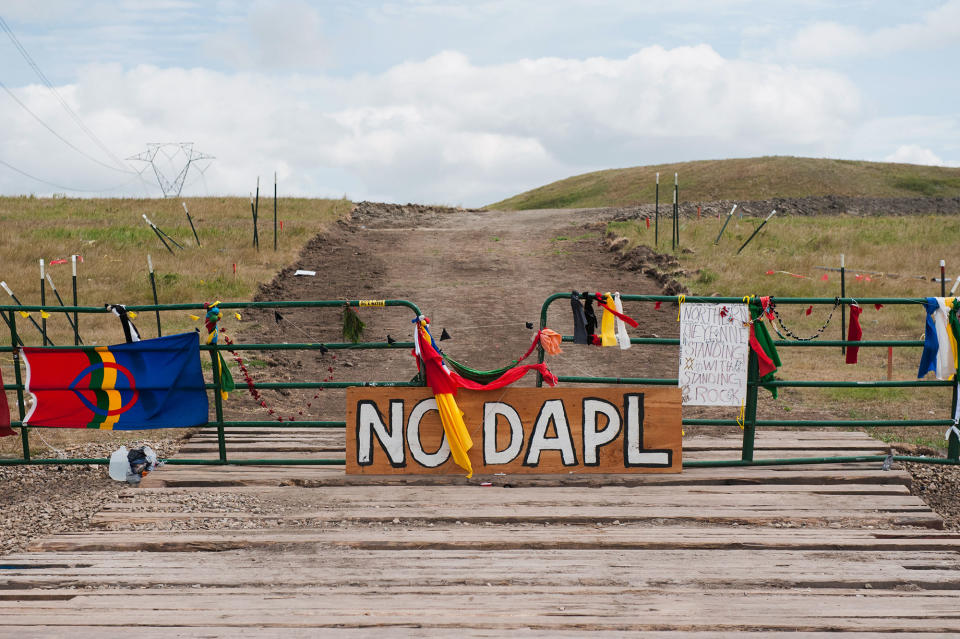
[
  {"x": 60, "y": 137},
  {"x": 49, "y": 85},
  {"x": 65, "y": 188}
]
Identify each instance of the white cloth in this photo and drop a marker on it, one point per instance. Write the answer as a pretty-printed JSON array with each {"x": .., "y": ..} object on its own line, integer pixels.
[
  {"x": 620, "y": 327},
  {"x": 946, "y": 362}
]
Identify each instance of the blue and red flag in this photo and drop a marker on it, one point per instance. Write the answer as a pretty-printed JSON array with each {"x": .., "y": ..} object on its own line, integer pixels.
[{"x": 154, "y": 383}]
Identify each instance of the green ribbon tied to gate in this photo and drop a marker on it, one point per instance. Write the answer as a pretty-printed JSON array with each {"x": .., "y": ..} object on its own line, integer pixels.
[{"x": 765, "y": 343}]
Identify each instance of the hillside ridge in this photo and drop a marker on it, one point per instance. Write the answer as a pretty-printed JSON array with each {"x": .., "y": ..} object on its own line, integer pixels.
[{"x": 742, "y": 179}]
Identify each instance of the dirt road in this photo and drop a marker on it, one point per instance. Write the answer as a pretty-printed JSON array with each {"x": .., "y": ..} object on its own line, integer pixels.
[{"x": 481, "y": 275}]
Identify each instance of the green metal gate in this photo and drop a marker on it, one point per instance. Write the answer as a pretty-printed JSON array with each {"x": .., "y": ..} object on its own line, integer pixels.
[
  {"x": 10, "y": 315},
  {"x": 751, "y": 423}
]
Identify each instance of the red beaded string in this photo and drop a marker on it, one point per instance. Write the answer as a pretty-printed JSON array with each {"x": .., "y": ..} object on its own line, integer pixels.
[{"x": 257, "y": 395}]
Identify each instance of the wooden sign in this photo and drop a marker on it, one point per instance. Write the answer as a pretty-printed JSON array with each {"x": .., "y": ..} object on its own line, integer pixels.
[
  {"x": 623, "y": 429},
  {"x": 714, "y": 343}
]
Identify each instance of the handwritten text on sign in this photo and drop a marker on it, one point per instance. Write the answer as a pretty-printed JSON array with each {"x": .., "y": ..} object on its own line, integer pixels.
[
  {"x": 518, "y": 430},
  {"x": 714, "y": 343}
]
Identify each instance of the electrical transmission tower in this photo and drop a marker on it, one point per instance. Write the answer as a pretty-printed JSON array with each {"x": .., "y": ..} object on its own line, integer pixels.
[{"x": 172, "y": 158}]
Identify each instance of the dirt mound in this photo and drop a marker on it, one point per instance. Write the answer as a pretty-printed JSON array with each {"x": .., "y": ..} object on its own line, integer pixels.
[
  {"x": 384, "y": 215},
  {"x": 660, "y": 267},
  {"x": 825, "y": 205}
]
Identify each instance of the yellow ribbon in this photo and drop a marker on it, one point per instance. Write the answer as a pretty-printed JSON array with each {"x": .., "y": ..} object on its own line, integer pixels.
[
  {"x": 680, "y": 301},
  {"x": 742, "y": 418},
  {"x": 24, "y": 314}
]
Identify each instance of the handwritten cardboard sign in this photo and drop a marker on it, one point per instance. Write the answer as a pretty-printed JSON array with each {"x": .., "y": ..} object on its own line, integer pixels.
[
  {"x": 714, "y": 344},
  {"x": 625, "y": 429}
]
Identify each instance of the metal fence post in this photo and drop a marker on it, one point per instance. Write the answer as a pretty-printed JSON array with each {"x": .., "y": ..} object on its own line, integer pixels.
[
  {"x": 218, "y": 403},
  {"x": 43, "y": 302},
  {"x": 750, "y": 409},
  {"x": 843, "y": 308},
  {"x": 656, "y": 215},
  {"x": 953, "y": 445},
  {"x": 76, "y": 321},
  {"x": 153, "y": 286},
  {"x": 24, "y": 431}
]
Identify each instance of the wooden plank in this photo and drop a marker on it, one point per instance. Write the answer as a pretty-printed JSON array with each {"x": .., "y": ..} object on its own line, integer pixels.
[
  {"x": 405, "y": 631},
  {"x": 401, "y": 537},
  {"x": 679, "y": 493},
  {"x": 503, "y": 609},
  {"x": 732, "y": 569},
  {"x": 323, "y": 476},
  {"x": 539, "y": 430},
  {"x": 917, "y": 518}
]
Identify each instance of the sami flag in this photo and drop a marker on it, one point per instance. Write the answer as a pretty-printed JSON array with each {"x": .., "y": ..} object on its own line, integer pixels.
[{"x": 154, "y": 383}]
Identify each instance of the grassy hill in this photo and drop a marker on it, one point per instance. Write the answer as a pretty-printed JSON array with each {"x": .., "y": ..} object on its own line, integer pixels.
[
  {"x": 114, "y": 241},
  {"x": 741, "y": 179}
]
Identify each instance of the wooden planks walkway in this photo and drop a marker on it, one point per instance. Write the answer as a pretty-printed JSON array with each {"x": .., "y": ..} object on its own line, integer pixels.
[{"x": 299, "y": 551}]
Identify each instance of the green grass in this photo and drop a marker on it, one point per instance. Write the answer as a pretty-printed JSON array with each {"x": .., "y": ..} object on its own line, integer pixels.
[
  {"x": 929, "y": 186},
  {"x": 909, "y": 247},
  {"x": 741, "y": 179},
  {"x": 882, "y": 394},
  {"x": 114, "y": 241}
]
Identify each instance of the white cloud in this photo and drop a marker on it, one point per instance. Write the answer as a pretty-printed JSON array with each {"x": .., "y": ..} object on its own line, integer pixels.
[
  {"x": 442, "y": 129},
  {"x": 830, "y": 40},
  {"x": 914, "y": 154}
]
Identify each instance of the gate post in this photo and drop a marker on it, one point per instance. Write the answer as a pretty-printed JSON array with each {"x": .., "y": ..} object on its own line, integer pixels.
[
  {"x": 24, "y": 431},
  {"x": 953, "y": 447},
  {"x": 218, "y": 403},
  {"x": 750, "y": 409}
]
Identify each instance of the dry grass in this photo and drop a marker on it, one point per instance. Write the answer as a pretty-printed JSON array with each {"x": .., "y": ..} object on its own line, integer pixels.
[
  {"x": 114, "y": 241},
  {"x": 910, "y": 247},
  {"x": 741, "y": 179}
]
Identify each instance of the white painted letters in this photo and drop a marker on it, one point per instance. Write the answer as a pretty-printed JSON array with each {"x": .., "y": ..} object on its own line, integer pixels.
[
  {"x": 592, "y": 438},
  {"x": 490, "y": 453},
  {"x": 633, "y": 452},
  {"x": 429, "y": 460},
  {"x": 369, "y": 422},
  {"x": 551, "y": 411}
]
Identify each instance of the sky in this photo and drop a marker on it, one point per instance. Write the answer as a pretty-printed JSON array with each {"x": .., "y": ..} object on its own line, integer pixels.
[{"x": 458, "y": 103}]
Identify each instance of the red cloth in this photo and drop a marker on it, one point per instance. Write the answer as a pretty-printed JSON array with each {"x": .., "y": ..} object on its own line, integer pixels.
[
  {"x": 764, "y": 363},
  {"x": 625, "y": 318},
  {"x": 442, "y": 380},
  {"x": 767, "y": 309},
  {"x": 854, "y": 333},
  {"x": 5, "y": 429},
  {"x": 438, "y": 378},
  {"x": 506, "y": 379}
]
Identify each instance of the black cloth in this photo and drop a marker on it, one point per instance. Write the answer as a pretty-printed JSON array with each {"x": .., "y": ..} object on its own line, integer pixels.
[
  {"x": 591, "y": 316},
  {"x": 130, "y": 332},
  {"x": 579, "y": 320}
]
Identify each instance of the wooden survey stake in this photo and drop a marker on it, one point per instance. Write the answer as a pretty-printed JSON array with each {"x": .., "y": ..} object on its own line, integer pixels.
[{"x": 625, "y": 429}]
